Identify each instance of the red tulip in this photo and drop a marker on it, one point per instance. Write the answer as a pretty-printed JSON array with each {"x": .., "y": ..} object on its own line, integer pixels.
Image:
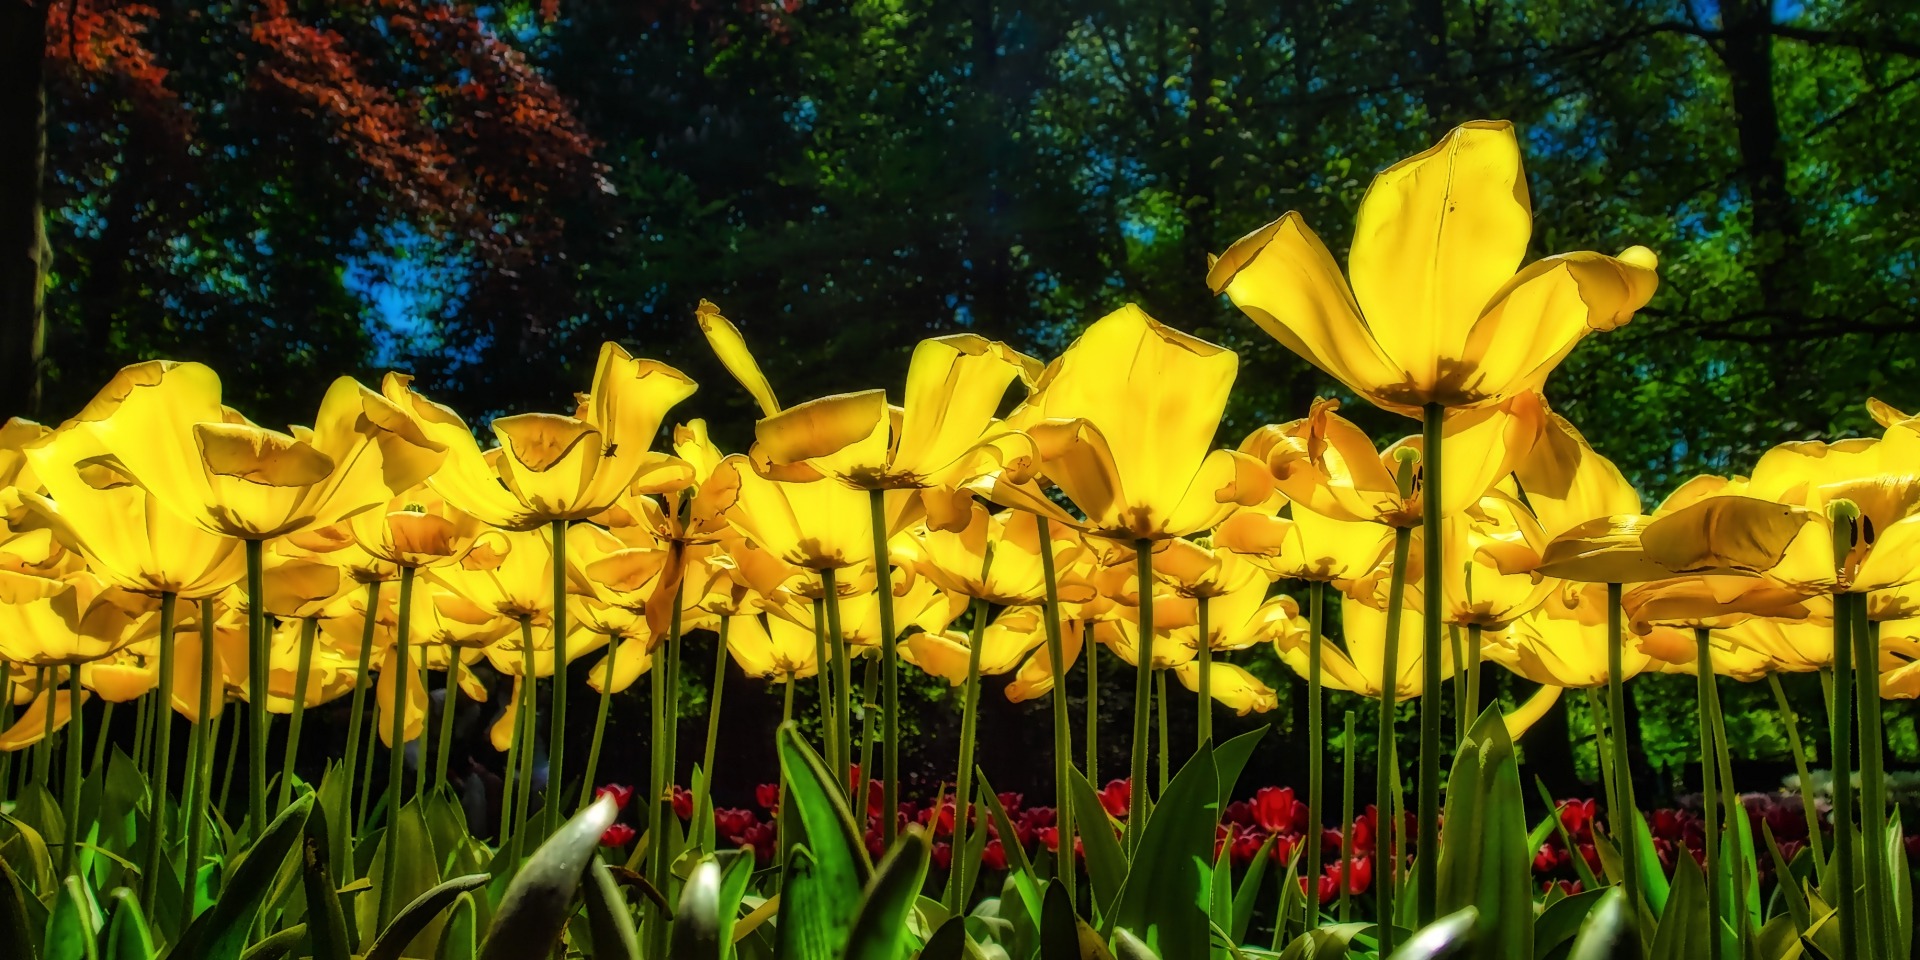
[
  {"x": 618, "y": 835},
  {"x": 620, "y": 792},
  {"x": 1115, "y": 797}
]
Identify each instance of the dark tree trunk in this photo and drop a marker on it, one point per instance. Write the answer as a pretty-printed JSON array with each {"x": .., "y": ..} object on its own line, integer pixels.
[
  {"x": 1203, "y": 152},
  {"x": 23, "y": 236}
]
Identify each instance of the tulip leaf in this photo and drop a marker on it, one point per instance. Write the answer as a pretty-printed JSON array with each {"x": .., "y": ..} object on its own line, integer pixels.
[
  {"x": 1900, "y": 899},
  {"x": 1247, "y": 897},
  {"x": 611, "y": 923},
  {"x": 1455, "y": 934},
  {"x": 1560, "y": 922},
  {"x": 1020, "y": 870},
  {"x": 826, "y": 826},
  {"x": 1608, "y": 930},
  {"x": 1485, "y": 864},
  {"x": 460, "y": 940},
  {"x": 277, "y": 944},
  {"x": 1106, "y": 862},
  {"x": 1330, "y": 942},
  {"x": 807, "y": 926},
  {"x": 221, "y": 932},
  {"x": 128, "y": 937},
  {"x": 1787, "y": 886},
  {"x": 1126, "y": 946},
  {"x": 21, "y": 926},
  {"x": 325, "y": 918},
  {"x": 74, "y": 926},
  {"x": 1220, "y": 901},
  {"x": 420, "y": 915},
  {"x": 1167, "y": 893},
  {"x": 1580, "y": 866},
  {"x": 1682, "y": 933},
  {"x": 950, "y": 942},
  {"x": 696, "y": 922},
  {"x": 1230, "y": 758},
  {"x": 534, "y": 909},
  {"x": 880, "y": 928},
  {"x": 333, "y": 798},
  {"x": 39, "y": 866},
  {"x": 409, "y": 839}
]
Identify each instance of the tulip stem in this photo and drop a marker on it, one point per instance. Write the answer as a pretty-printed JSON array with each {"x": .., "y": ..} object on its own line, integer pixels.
[
  {"x": 200, "y": 759},
  {"x": 1385, "y": 866},
  {"x": 157, "y": 804},
  {"x": 660, "y": 795},
  {"x": 1138, "y": 800},
  {"x": 258, "y": 657},
  {"x": 1316, "y": 745},
  {"x": 366, "y": 776},
  {"x": 426, "y": 716},
  {"x": 713, "y": 707},
  {"x": 1427, "y": 866},
  {"x": 1841, "y": 722},
  {"x": 1621, "y": 817},
  {"x": 396, "y": 747},
  {"x": 43, "y": 750},
  {"x": 1092, "y": 648},
  {"x": 1346, "y": 817},
  {"x": 1736, "y": 813},
  {"x": 355, "y": 716},
  {"x": 302, "y": 667},
  {"x": 1065, "y": 871},
  {"x": 1160, "y": 712},
  {"x": 890, "y": 668},
  {"x": 963, "y": 778},
  {"x": 1873, "y": 778},
  {"x": 599, "y": 724},
  {"x": 671, "y": 745},
  {"x": 141, "y": 710},
  {"x": 509, "y": 775},
  {"x": 529, "y": 717},
  {"x": 1459, "y": 683},
  {"x": 1474, "y": 643},
  {"x": 842, "y": 680},
  {"x": 1203, "y": 651},
  {"x": 1808, "y": 807},
  {"x": 869, "y": 710},
  {"x": 232, "y": 761},
  {"x": 100, "y": 737},
  {"x": 557, "y": 737},
  {"x": 1709, "y": 790},
  {"x": 449, "y": 705},
  {"x": 823, "y": 670},
  {"x": 70, "y": 803}
]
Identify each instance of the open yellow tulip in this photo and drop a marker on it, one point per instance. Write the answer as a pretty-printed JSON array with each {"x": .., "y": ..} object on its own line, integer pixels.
[
  {"x": 956, "y": 560},
  {"x": 1437, "y": 313},
  {"x": 1232, "y": 685}
]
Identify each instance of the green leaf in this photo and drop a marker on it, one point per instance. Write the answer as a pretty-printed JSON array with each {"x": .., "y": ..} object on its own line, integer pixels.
[
  {"x": 1560, "y": 922},
  {"x": 1220, "y": 901},
  {"x": 277, "y": 944},
  {"x": 807, "y": 930},
  {"x": 74, "y": 928},
  {"x": 325, "y": 919},
  {"x": 696, "y": 922},
  {"x": 880, "y": 929},
  {"x": 1106, "y": 862},
  {"x": 826, "y": 824},
  {"x": 127, "y": 935},
  {"x": 536, "y": 905},
  {"x": 411, "y": 924},
  {"x": 1786, "y": 885},
  {"x": 410, "y": 840},
  {"x": 737, "y": 869},
  {"x": 221, "y": 932},
  {"x": 1901, "y": 898},
  {"x": 37, "y": 870},
  {"x": 950, "y": 942},
  {"x": 1247, "y": 897},
  {"x": 1020, "y": 870},
  {"x": 1126, "y": 946},
  {"x": 1326, "y": 943},
  {"x": 20, "y": 929},
  {"x": 460, "y": 940},
  {"x": 1484, "y": 863},
  {"x": 608, "y": 917},
  {"x": 1455, "y": 934},
  {"x": 1683, "y": 933},
  {"x": 1608, "y": 932},
  {"x": 1168, "y": 891}
]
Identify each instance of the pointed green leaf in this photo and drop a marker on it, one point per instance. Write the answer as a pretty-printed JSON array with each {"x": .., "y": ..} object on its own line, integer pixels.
[
  {"x": 1608, "y": 931},
  {"x": 1126, "y": 946},
  {"x": 1019, "y": 869},
  {"x": 614, "y": 937},
  {"x": 536, "y": 905},
  {"x": 221, "y": 932},
  {"x": 20, "y": 930},
  {"x": 1484, "y": 863},
  {"x": 421, "y": 915},
  {"x": 880, "y": 929},
  {"x": 1230, "y": 758},
  {"x": 1453, "y": 935},
  {"x": 696, "y": 921},
  {"x": 461, "y": 940},
  {"x": 1560, "y": 922},
  {"x": 1683, "y": 933},
  {"x": 950, "y": 942},
  {"x": 1168, "y": 892},
  {"x": 325, "y": 918},
  {"x": 807, "y": 927},
  {"x": 127, "y": 935},
  {"x": 1106, "y": 861},
  {"x": 1246, "y": 898},
  {"x": 74, "y": 927}
]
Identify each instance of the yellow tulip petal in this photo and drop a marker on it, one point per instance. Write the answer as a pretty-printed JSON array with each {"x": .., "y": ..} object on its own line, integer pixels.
[
  {"x": 1724, "y": 533},
  {"x": 31, "y": 725},
  {"x": 731, "y": 348},
  {"x": 955, "y": 385},
  {"x": 1529, "y": 712},
  {"x": 844, "y": 435}
]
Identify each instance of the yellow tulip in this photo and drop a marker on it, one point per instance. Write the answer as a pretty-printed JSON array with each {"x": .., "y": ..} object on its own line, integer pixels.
[
  {"x": 164, "y": 428},
  {"x": 632, "y": 658},
  {"x": 819, "y": 524},
  {"x": 1305, "y": 546},
  {"x": 945, "y": 654},
  {"x": 1437, "y": 313},
  {"x": 126, "y": 535},
  {"x": 418, "y": 528},
  {"x": 1122, "y": 424},
  {"x": 30, "y": 726},
  {"x": 956, "y": 560},
  {"x": 551, "y": 467},
  {"x": 508, "y": 575},
  {"x": 695, "y": 503},
  {"x": 1567, "y": 483},
  {"x": 1231, "y": 685},
  {"x": 1711, "y": 602},
  {"x": 1205, "y": 569},
  {"x": 778, "y": 650},
  {"x": 68, "y": 621},
  {"x": 1878, "y": 475},
  {"x": 1035, "y": 678},
  {"x": 1481, "y": 544},
  {"x": 1564, "y": 642},
  {"x": 1358, "y": 668}
]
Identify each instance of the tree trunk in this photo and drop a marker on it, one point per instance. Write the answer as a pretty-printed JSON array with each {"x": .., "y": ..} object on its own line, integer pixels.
[{"x": 23, "y": 234}]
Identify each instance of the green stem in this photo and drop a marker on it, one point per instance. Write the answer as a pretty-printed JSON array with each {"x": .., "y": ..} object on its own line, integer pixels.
[
  {"x": 1736, "y": 814},
  {"x": 1091, "y": 650},
  {"x": 671, "y": 745},
  {"x": 200, "y": 760},
  {"x": 890, "y": 669},
  {"x": 1873, "y": 779},
  {"x": 69, "y": 854},
  {"x": 43, "y": 750},
  {"x": 1808, "y": 807},
  {"x": 557, "y": 735},
  {"x": 529, "y": 743},
  {"x": 1427, "y": 865},
  {"x": 1346, "y": 817},
  {"x": 1065, "y": 870},
  {"x": 6, "y": 723},
  {"x": 842, "y": 682},
  {"x": 1621, "y": 817},
  {"x": 1316, "y": 746},
  {"x": 823, "y": 670},
  {"x": 142, "y": 719},
  {"x": 1160, "y": 712},
  {"x": 713, "y": 708},
  {"x": 659, "y": 791},
  {"x": 302, "y": 668},
  {"x": 1386, "y": 868},
  {"x": 1709, "y": 788},
  {"x": 232, "y": 761},
  {"x": 366, "y": 778},
  {"x": 258, "y": 653},
  {"x": 1841, "y": 721},
  {"x": 1203, "y": 651},
  {"x": 1474, "y": 644},
  {"x": 1459, "y": 683},
  {"x": 1139, "y": 799},
  {"x": 100, "y": 738},
  {"x": 157, "y": 805},
  {"x": 510, "y": 775},
  {"x": 599, "y": 725},
  {"x": 449, "y": 705},
  {"x": 355, "y": 715},
  {"x": 963, "y": 777},
  {"x": 396, "y": 748},
  {"x": 780, "y": 822},
  {"x": 869, "y": 716},
  {"x": 420, "y": 756}
]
